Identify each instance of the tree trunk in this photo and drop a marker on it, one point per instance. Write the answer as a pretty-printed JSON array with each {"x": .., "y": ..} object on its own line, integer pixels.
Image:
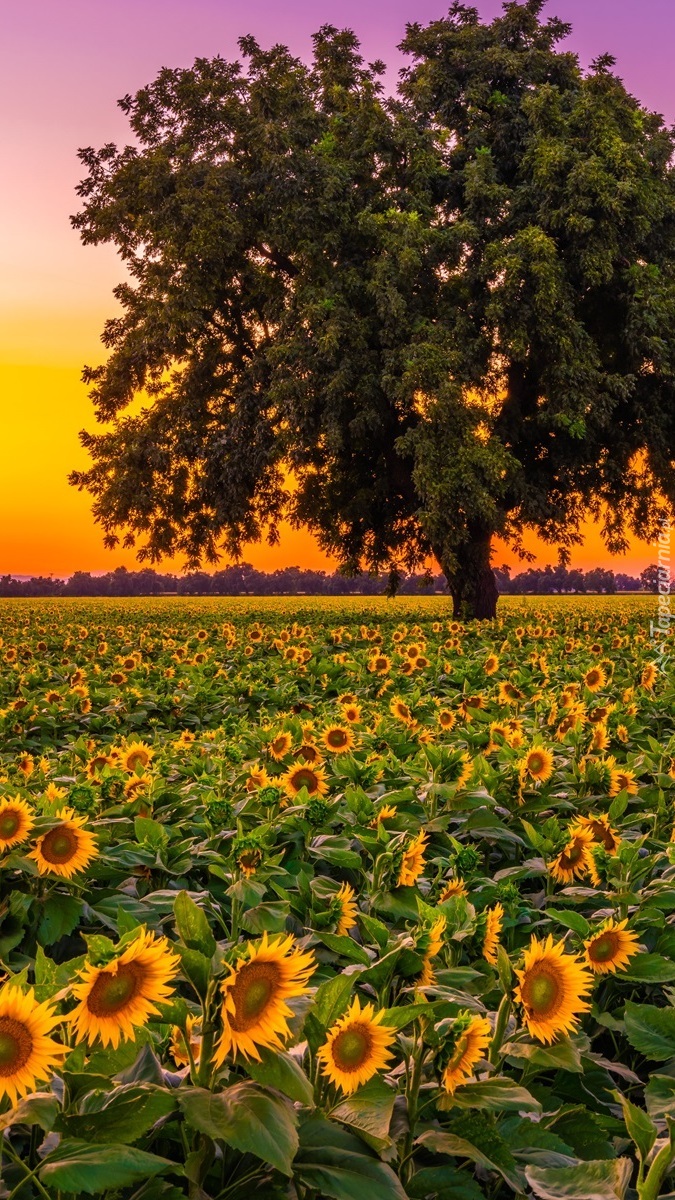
[{"x": 471, "y": 579}]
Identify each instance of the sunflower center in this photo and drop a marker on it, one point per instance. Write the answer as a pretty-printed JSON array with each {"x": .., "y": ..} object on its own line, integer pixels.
[
  {"x": 541, "y": 992},
  {"x": 351, "y": 1048},
  {"x": 111, "y": 993},
  {"x": 59, "y": 845},
  {"x": 255, "y": 988},
  {"x": 16, "y": 1045},
  {"x": 9, "y": 824},
  {"x": 603, "y": 948},
  {"x": 337, "y": 738},
  {"x": 536, "y": 763},
  {"x": 305, "y": 778}
]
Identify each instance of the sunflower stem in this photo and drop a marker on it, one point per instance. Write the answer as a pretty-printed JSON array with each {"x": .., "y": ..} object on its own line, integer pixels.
[
  {"x": 205, "y": 1066},
  {"x": 503, "y": 1013},
  {"x": 30, "y": 1175},
  {"x": 412, "y": 1096}
]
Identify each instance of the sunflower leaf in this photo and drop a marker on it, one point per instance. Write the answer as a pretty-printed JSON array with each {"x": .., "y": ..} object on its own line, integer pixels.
[
  {"x": 639, "y": 1125},
  {"x": 368, "y": 1111},
  {"x": 123, "y": 1115},
  {"x": 651, "y": 1030},
  {"x": 495, "y": 1158},
  {"x": 41, "y": 1108},
  {"x": 280, "y": 1070},
  {"x": 248, "y": 1118},
  {"x": 571, "y": 920},
  {"x": 77, "y": 1166},
  {"x": 60, "y": 915},
  {"x": 603, "y": 1180},
  {"x": 495, "y": 1095},
  {"x": 336, "y": 1163},
  {"x": 193, "y": 926},
  {"x": 649, "y": 968},
  {"x": 196, "y": 968},
  {"x": 345, "y": 947}
]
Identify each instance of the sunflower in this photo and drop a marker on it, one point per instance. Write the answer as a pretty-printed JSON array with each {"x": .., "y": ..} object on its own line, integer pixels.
[
  {"x": 472, "y": 1037},
  {"x": 352, "y": 713},
  {"x": 412, "y": 863},
  {"x": 254, "y": 1012},
  {"x": 611, "y": 948},
  {"x": 648, "y": 676},
  {"x": 117, "y": 998},
  {"x": 434, "y": 937},
  {"x": 453, "y": 887},
  {"x": 248, "y": 856},
  {"x": 257, "y": 778},
  {"x": 27, "y": 1054},
  {"x": 356, "y": 1048},
  {"x": 307, "y": 752},
  {"x": 137, "y": 754},
  {"x": 299, "y": 777},
  {"x": 26, "y": 765},
  {"x": 384, "y": 813},
  {"x": 137, "y": 785},
  {"x": 491, "y": 664},
  {"x": 337, "y": 739},
  {"x": 457, "y": 769},
  {"x": 552, "y": 989},
  {"x": 348, "y": 909},
  {"x": 16, "y": 822},
  {"x": 509, "y": 693},
  {"x": 180, "y": 1039},
  {"x": 621, "y": 780},
  {"x": 66, "y": 848},
  {"x": 595, "y": 679},
  {"x": 601, "y": 830},
  {"x": 600, "y": 739},
  {"x": 52, "y": 793},
  {"x": 575, "y": 860},
  {"x": 97, "y": 763},
  {"x": 493, "y": 928},
  {"x": 186, "y": 739},
  {"x": 538, "y": 764},
  {"x": 280, "y": 745},
  {"x": 399, "y": 709},
  {"x": 380, "y": 664},
  {"x": 447, "y": 719}
]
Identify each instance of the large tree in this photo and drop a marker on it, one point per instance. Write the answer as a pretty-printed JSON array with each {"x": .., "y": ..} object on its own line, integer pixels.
[{"x": 409, "y": 324}]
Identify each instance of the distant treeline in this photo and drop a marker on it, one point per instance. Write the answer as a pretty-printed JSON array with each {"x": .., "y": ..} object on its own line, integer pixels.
[{"x": 243, "y": 580}]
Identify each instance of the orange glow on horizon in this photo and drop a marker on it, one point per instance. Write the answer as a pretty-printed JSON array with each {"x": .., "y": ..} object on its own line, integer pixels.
[{"x": 46, "y": 526}]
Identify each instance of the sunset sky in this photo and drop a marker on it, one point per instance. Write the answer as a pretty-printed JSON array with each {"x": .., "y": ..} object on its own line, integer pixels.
[{"x": 64, "y": 65}]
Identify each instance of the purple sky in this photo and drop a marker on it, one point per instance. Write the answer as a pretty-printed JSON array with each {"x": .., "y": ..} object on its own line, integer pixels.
[{"x": 64, "y": 63}]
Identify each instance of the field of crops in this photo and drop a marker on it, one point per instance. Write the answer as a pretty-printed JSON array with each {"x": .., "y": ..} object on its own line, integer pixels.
[{"x": 336, "y": 898}]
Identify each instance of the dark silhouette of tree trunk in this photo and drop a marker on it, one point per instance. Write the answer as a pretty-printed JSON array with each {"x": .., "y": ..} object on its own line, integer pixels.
[{"x": 470, "y": 577}]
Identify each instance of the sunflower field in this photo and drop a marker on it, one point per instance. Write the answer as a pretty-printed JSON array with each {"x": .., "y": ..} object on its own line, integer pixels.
[{"x": 336, "y": 898}]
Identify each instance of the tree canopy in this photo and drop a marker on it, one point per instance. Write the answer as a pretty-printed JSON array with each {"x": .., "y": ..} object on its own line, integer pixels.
[{"x": 410, "y": 323}]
